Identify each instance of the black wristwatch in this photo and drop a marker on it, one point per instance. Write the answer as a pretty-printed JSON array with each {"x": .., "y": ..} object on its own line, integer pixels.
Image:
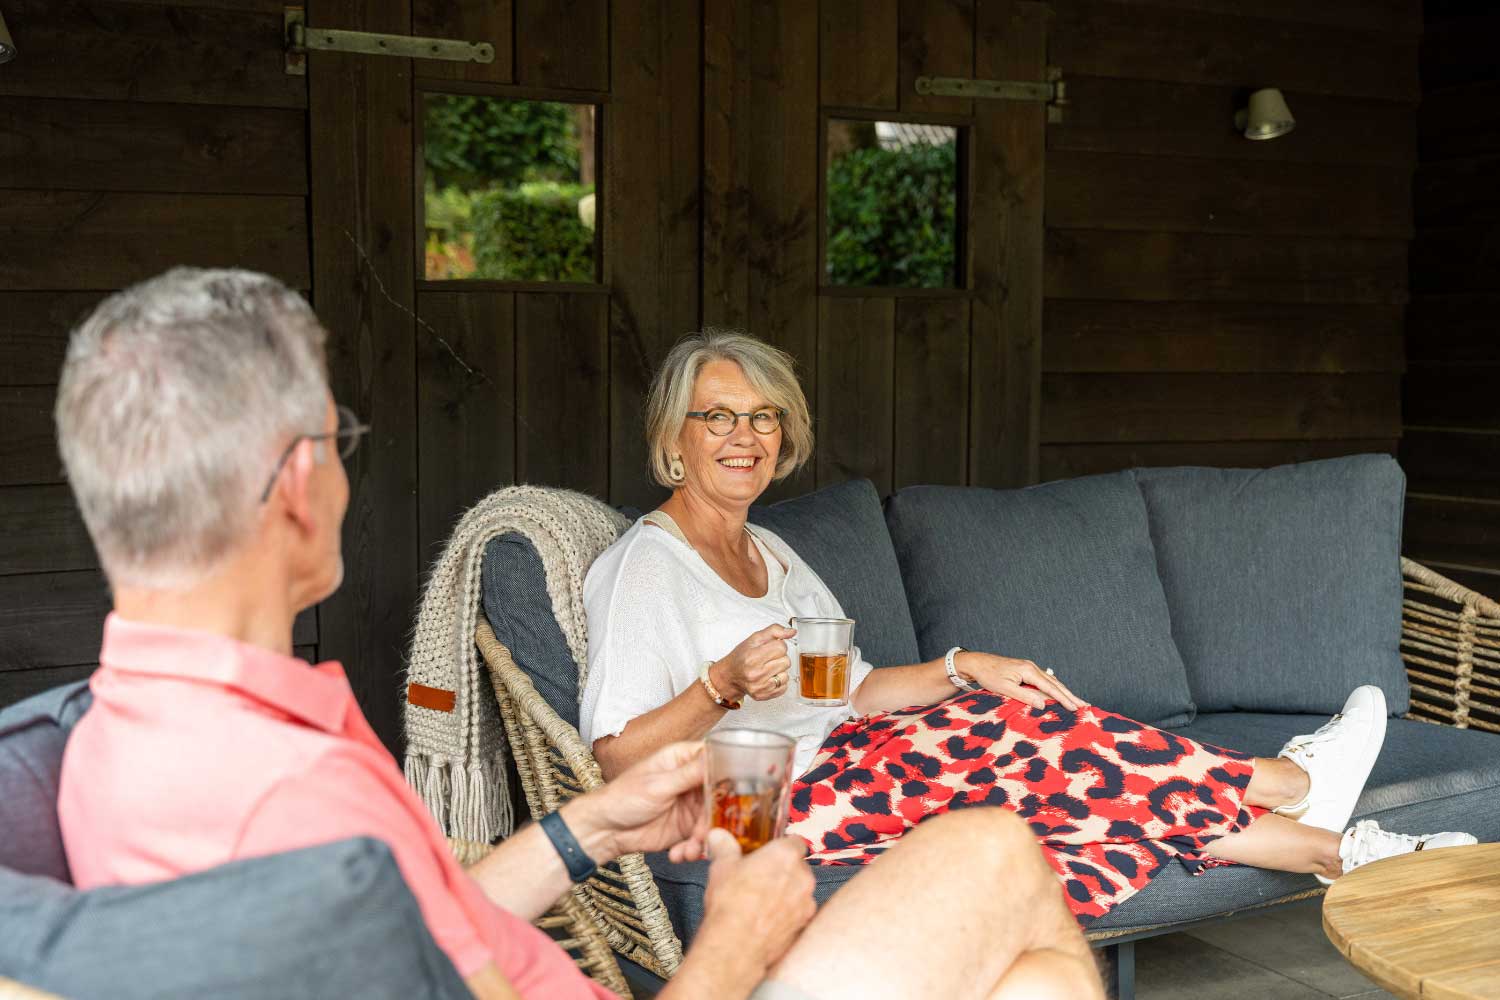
[{"x": 580, "y": 865}]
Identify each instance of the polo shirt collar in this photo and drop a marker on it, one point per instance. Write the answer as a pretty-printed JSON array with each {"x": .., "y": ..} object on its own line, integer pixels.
[{"x": 317, "y": 695}]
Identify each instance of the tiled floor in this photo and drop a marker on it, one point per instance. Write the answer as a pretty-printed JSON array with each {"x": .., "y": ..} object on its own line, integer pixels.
[{"x": 1280, "y": 956}]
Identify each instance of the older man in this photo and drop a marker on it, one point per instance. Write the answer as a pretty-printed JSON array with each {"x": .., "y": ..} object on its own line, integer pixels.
[{"x": 205, "y": 451}]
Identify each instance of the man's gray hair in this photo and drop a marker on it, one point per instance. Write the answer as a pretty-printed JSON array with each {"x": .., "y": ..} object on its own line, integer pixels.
[{"x": 177, "y": 397}]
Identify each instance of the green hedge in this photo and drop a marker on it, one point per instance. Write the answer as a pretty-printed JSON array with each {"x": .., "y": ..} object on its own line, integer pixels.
[
  {"x": 532, "y": 233},
  {"x": 891, "y": 217},
  {"x": 480, "y": 141}
]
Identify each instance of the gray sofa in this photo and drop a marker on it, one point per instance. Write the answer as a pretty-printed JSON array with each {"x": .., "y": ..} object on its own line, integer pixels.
[
  {"x": 1236, "y": 607},
  {"x": 336, "y": 920}
]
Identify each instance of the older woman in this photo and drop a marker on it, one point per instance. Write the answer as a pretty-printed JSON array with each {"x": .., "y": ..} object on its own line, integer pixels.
[{"x": 688, "y": 616}]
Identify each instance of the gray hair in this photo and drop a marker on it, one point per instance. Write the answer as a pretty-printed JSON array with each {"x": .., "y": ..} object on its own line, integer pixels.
[
  {"x": 177, "y": 396},
  {"x": 773, "y": 373}
]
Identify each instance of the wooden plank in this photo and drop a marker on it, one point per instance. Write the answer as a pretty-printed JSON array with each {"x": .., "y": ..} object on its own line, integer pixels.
[
  {"x": 1459, "y": 463},
  {"x": 932, "y": 388},
  {"x": 727, "y": 154},
  {"x": 1113, "y": 115},
  {"x": 858, "y": 54},
  {"x": 934, "y": 38},
  {"x": 1160, "y": 193},
  {"x": 562, "y": 391},
  {"x": 111, "y": 239},
  {"x": 1193, "y": 46},
  {"x": 1098, "y": 264},
  {"x": 856, "y": 393},
  {"x": 1102, "y": 336},
  {"x": 1445, "y": 396},
  {"x": 1460, "y": 50},
  {"x": 466, "y": 407},
  {"x": 363, "y": 252},
  {"x": 119, "y": 146},
  {"x": 149, "y": 52},
  {"x": 490, "y": 21},
  {"x": 1065, "y": 461},
  {"x": 1458, "y": 259},
  {"x": 563, "y": 43},
  {"x": 1458, "y": 192},
  {"x": 43, "y": 531},
  {"x": 1459, "y": 121},
  {"x": 1219, "y": 407},
  {"x": 1402, "y": 17},
  {"x": 51, "y": 619},
  {"x": 1006, "y": 250},
  {"x": 1457, "y": 329},
  {"x": 28, "y": 448},
  {"x": 18, "y": 685},
  {"x": 37, "y": 325},
  {"x": 651, "y": 234}
]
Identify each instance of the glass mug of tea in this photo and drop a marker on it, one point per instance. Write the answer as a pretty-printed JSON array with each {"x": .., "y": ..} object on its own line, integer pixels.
[
  {"x": 824, "y": 646},
  {"x": 747, "y": 783}
]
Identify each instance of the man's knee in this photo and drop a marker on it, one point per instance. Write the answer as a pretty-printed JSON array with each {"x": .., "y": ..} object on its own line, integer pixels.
[{"x": 986, "y": 836}]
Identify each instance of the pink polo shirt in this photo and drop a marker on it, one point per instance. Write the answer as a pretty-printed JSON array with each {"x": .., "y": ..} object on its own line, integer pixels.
[{"x": 199, "y": 750}]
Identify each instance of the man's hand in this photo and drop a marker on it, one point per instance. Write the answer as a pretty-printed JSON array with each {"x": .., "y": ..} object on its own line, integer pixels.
[{"x": 654, "y": 805}]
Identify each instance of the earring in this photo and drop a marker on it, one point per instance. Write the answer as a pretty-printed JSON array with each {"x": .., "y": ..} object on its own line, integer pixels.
[{"x": 675, "y": 471}]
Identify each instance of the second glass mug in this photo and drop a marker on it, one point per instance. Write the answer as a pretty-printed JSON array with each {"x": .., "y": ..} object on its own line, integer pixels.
[{"x": 824, "y": 648}]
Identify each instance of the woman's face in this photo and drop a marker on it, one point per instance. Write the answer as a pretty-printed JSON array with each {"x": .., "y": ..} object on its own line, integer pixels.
[{"x": 730, "y": 471}]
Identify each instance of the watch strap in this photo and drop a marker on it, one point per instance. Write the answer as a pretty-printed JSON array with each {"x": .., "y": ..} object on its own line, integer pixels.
[
  {"x": 580, "y": 866},
  {"x": 952, "y": 668}
]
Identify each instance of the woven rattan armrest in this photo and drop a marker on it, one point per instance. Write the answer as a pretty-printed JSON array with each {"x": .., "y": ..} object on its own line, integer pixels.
[
  {"x": 1450, "y": 643},
  {"x": 619, "y": 909}
]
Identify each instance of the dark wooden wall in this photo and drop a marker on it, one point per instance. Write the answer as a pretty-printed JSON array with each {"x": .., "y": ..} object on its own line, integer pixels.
[
  {"x": 1451, "y": 445},
  {"x": 133, "y": 136}
]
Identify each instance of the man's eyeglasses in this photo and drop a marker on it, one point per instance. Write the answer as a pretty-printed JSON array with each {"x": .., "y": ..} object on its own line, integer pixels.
[
  {"x": 721, "y": 420},
  {"x": 350, "y": 430}
]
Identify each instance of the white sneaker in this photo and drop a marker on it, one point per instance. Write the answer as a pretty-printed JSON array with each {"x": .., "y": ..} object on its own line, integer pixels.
[
  {"x": 1365, "y": 841},
  {"x": 1337, "y": 759}
]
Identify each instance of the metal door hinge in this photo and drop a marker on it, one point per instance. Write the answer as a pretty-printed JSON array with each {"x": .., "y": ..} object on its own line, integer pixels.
[
  {"x": 300, "y": 39},
  {"x": 1053, "y": 93}
]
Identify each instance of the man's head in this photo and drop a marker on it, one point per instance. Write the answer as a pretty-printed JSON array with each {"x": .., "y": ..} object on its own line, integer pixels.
[{"x": 178, "y": 396}]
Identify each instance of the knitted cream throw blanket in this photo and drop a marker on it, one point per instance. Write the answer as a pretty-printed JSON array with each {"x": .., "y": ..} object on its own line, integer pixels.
[{"x": 455, "y": 744}]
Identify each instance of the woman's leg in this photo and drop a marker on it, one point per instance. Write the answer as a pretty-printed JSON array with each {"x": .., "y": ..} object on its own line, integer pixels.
[
  {"x": 1276, "y": 782},
  {"x": 1281, "y": 844}
]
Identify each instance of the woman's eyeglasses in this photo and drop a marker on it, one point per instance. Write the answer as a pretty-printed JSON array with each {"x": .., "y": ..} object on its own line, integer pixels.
[
  {"x": 348, "y": 435},
  {"x": 721, "y": 420}
]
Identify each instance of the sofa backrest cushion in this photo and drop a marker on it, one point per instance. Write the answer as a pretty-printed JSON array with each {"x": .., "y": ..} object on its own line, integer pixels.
[
  {"x": 335, "y": 920},
  {"x": 1284, "y": 584},
  {"x": 514, "y": 590},
  {"x": 32, "y": 735},
  {"x": 840, "y": 532},
  {"x": 1062, "y": 574}
]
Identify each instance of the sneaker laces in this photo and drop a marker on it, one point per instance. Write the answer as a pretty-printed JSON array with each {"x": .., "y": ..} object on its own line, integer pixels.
[
  {"x": 1322, "y": 734},
  {"x": 1371, "y": 843}
]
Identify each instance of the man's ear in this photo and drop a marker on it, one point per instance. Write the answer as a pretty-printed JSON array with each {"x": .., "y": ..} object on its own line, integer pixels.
[{"x": 296, "y": 485}]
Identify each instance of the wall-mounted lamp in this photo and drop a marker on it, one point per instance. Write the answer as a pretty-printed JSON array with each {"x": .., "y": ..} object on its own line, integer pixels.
[
  {"x": 7, "y": 47},
  {"x": 1267, "y": 117}
]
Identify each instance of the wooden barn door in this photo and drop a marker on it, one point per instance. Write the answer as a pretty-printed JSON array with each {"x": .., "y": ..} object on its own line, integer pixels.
[
  {"x": 908, "y": 385},
  {"x": 473, "y": 384}
]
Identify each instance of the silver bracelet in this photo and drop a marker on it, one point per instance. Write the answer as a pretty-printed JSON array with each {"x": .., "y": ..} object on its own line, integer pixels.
[{"x": 953, "y": 676}]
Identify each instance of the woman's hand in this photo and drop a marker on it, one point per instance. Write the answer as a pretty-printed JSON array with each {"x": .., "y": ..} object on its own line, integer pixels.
[
  {"x": 1012, "y": 678},
  {"x": 758, "y": 667}
]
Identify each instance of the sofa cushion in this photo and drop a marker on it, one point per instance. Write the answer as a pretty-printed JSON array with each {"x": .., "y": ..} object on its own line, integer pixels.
[
  {"x": 1284, "y": 584},
  {"x": 840, "y": 532},
  {"x": 32, "y": 734},
  {"x": 1428, "y": 778},
  {"x": 514, "y": 591},
  {"x": 335, "y": 920},
  {"x": 682, "y": 886},
  {"x": 1062, "y": 574}
]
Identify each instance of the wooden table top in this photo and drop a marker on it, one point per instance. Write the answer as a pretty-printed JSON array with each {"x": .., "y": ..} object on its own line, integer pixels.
[{"x": 1423, "y": 925}]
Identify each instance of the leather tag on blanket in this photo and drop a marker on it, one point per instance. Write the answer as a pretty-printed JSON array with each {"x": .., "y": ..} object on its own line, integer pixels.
[{"x": 436, "y": 699}]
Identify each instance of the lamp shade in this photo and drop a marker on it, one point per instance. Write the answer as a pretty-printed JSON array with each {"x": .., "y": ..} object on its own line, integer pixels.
[
  {"x": 7, "y": 47},
  {"x": 1267, "y": 117}
]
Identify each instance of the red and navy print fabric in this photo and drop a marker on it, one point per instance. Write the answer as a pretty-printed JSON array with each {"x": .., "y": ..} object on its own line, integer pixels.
[{"x": 1110, "y": 800}]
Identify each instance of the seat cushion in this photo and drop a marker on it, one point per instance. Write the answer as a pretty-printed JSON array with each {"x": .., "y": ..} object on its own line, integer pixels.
[
  {"x": 1062, "y": 574},
  {"x": 335, "y": 920},
  {"x": 840, "y": 532},
  {"x": 682, "y": 887},
  {"x": 32, "y": 735},
  {"x": 1428, "y": 778},
  {"x": 517, "y": 606},
  {"x": 1284, "y": 584}
]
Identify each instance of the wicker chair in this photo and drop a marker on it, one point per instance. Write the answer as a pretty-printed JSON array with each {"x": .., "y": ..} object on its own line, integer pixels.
[{"x": 1450, "y": 641}]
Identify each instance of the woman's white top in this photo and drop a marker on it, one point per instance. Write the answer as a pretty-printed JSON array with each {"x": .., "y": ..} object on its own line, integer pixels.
[{"x": 657, "y": 613}]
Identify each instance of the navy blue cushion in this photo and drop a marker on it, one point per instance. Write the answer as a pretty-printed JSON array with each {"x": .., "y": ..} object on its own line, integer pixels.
[
  {"x": 32, "y": 735},
  {"x": 514, "y": 588},
  {"x": 840, "y": 532},
  {"x": 1284, "y": 584},
  {"x": 1062, "y": 574},
  {"x": 336, "y": 920},
  {"x": 682, "y": 887}
]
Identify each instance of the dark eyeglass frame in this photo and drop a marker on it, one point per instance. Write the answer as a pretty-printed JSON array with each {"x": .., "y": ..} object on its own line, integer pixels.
[
  {"x": 704, "y": 416},
  {"x": 348, "y": 434}
]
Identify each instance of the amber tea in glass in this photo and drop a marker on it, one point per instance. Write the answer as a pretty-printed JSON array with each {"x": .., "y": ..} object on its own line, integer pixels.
[
  {"x": 747, "y": 782},
  {"x": 824, "y": 646}
]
